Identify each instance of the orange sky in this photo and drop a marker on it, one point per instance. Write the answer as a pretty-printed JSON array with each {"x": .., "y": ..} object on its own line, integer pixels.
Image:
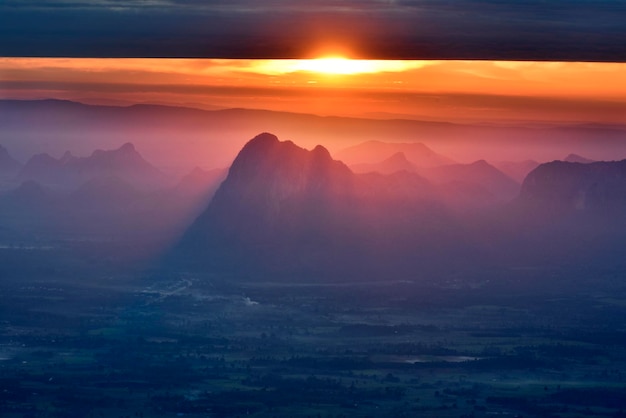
[{"x": 484, "y": 91}]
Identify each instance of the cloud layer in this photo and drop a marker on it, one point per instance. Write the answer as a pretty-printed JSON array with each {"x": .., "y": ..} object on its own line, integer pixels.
[
  {"x": 481, "y": 91},
  {"x": 575, "y": 30}
]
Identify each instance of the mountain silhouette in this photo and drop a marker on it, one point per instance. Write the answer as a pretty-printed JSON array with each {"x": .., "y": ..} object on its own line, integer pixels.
[
  {"x": 575, "y": 158},
  {"x": 517, "y": 170},
  {"x": 397, "y": 162},
  {"x": 479, "y": 182},
  {"x": 271, "y": 183},
  {"x": 104, "y": 193},
  {"x": 284, "y": 210},
  {"x": 28, "y": 194},
  {"x": 70, "y": 171},
  {"x": 200, "y": 183},
  {"x": 565, "y": 187},
  {"x": 182, "y": 133},
  {"x": 45, "y": 169},
  {"x": 28, "y": 208},
  {"x": 9, "y": 166},
  {"x": 374, "y": 151},
  {"x": 568, "y": 213}
]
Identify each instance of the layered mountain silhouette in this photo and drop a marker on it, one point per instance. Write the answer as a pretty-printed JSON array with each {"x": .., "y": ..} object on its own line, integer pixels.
[
  {"x": 108, "y": 197},
  {"x": 575, "y": 158},
  {"x": 372, "y": 152},
  {"x": 566, "y": 187},
  {"x": 9, "y": 166},
  {"x": 295, "y": 214},
  {"x": 201, "y": 183},
  {"x": 290, "y": 211},
  {"x": 70, "y": 171},
  {"x": 29, "y": 209},
  {"x": 517, "y": 170},
  {"x": 28, "y": 194},
  {"x": 397, "y": 162},
  {"x": 569, "y": 213},
  {"x": 478, "y": 183},
  {"x": 185, "y": 134},
  {"x": 105, "y": 193},
  {"x": 276, "y": 194}
]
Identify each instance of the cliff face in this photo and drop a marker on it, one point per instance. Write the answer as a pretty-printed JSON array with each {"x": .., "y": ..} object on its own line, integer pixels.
[
  {"x": 566, "y": 187},
  {"x": 288, "y": 213},
  {"x": 270, "y": 180},
  {"x": 289, "y": 209},
  {"x": 278, "y": 202}
]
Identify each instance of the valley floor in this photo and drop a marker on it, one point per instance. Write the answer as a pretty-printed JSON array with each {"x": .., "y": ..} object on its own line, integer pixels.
[{"x": 81, "y": 341}]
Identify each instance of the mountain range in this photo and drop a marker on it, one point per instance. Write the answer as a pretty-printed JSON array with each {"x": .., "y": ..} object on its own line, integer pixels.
[
  {"x": 575, "y": 158},
  {"x": 212, "y": 138},
  {"x": 566, "y": 187},
  {"x": 293, "y": 213},
  {"x": 9, "y": 166},
  {"x": 288, "y": 210},
  {"x": 108, "y": 195},
  {"x": 490, "y": 184},
  {"x": 70, "y": 171},
  {"x": 394, "y": 163},
  {"x": 374, "y": 151}
]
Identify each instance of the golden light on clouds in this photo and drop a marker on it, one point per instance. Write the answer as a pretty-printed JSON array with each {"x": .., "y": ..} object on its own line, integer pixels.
[
  {"x": 335, "y": 86},
  {"x": 335, "y": 65}
]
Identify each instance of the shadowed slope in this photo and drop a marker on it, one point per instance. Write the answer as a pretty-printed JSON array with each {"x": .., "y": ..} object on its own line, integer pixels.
[
  {"x": 565, "y": 187},
  {"x": 286, "y": 211},
  {"x": 8, "y": 165},
  {"x": 475, "y": 184},
  {"x": 375, "y": 151},
  {"x": 70, "y": 171},
  {"x": 575, "y": 158},
  {"x": 397, "y": 162}
]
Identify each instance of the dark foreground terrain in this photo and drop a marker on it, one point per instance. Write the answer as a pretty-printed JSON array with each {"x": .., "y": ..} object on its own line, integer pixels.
[{"x": 81, "y": 339}]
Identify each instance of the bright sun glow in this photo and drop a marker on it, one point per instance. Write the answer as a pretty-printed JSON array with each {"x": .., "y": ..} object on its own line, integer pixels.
[
  {"x": 338, "y": 65},
  {"x": 334, "y": 65}
]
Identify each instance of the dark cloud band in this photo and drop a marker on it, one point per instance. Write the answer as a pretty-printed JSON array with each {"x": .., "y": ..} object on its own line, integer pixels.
[{"x": 574, "y": 30}]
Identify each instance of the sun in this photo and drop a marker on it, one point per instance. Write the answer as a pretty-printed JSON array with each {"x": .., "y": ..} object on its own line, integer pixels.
[
  {"x": 338, "y": 65},
  {"x": 333, "y": 65}
]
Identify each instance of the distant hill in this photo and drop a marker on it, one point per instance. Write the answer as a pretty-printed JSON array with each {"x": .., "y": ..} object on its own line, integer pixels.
[
  {"x": 371, "y": 152},
  {"x": 44, "y": 168},
  {"x": 108, "y": 196},
  {"x": 397, "y": 162},
  {"x": 29, "y": 209},
  {"x": 9, "y": 166},
  {"x": 565, "y": 187},
  {"x": 517, "y": 170},
  {"x": 491, "y": 184},
  {"x": 201, "y": 183},
  {"x": 29, "y": 194},
  {"x": 170, "y": 135},
  {"x": 106, "y": 193},
  {"x": 287, "y": 213},
  {"x": 575, "y": 158},
  {"x": 568, "y": 214},
  {"x": 70, "y": 171}
]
